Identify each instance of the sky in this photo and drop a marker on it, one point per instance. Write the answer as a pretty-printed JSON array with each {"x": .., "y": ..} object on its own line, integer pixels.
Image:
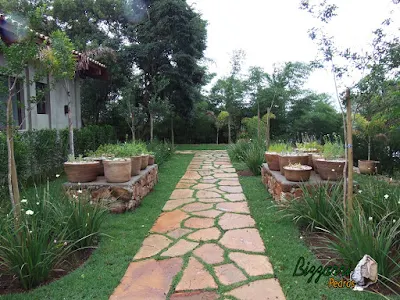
[{"x": 277, "y": 31}]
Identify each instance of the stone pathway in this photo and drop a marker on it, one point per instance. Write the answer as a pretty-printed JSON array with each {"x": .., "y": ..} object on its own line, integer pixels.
[{"x": 204, "y": 245}]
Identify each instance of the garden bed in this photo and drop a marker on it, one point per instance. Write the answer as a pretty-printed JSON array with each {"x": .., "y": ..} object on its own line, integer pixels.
[{"x": 118, "y": 197}]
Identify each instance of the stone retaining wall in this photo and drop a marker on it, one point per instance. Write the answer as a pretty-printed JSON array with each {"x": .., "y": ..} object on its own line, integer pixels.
[{"x": 117, "y": 197}]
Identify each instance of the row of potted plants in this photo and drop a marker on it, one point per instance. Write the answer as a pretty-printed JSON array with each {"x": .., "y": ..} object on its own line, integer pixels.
[{"x": 117, "y": 163}]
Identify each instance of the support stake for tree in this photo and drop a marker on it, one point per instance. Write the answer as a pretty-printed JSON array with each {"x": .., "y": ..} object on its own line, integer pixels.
[{"x": 349, "y": 156}]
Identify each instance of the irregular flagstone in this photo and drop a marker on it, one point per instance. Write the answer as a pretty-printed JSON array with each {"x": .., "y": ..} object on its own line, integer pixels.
[
  {"x": 206, "y": 173},
  {"x": 211, "y": 200},
  {"x": 212, "y": 213},
  {"x": 229, "y": 274},
  {"x": 264, "y": 289},
  {"x": 216, "y": 190},
  {"x": 229, "y": 183},
  {"x": 223, "y": 163},
  {"x": 203, "y": 186},
  {"x": 168, "y": 221},
  {"x": 208, "y": 180},
  {"x": 183, "y": 180},
  {"x": 180, "y": 248},
  {"x": 181, "y": 194},
  {"x": 225, "y": 175},
  {"x": 231, "y": 189},
  {"x": 243, "y": 239},
  {"x": 237, "y": 207},
  {"x": 172, "y": 204},
  {"x": 210, "y": 253},
  {"x": 207, "y": 167},
  {"x": 191, "y": 175},
  {"x": 199, "y": 295},
  {"x": 235, "y": 197},
  {"x": 195, "y": 222},
  {"x": 207, "y": 194},
  {"x": 229, "y": 170},
  {"x": 183, "y": 185},
  {"x": 205, "y": 234},
  {"x": 148, "y": 279},
  {"x": 195, "y": 277},
  {"x": 229, "y": 166},
  {"x": 177, "y": 233},
  {"x": 253, "y": 264},
  {"x": 152, "y": 245},
  {"x": 235, "y": 221},
  {"x": 197, "y": 207}
]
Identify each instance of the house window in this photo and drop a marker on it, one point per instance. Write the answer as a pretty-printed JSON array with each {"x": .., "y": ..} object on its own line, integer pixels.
[
  {"x": 17, "y": 102},
  {"x": 42, "y": 98}
]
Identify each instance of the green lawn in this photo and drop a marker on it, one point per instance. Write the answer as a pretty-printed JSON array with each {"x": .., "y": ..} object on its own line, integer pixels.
[
  {"x": 284, "y": 247},
  {"x": 201, "y": 146},
  {"x": 101, "y": 274}
]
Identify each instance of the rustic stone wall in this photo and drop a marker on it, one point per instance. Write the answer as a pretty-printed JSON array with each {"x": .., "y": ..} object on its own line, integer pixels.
[{"x": 117, "y": 197}]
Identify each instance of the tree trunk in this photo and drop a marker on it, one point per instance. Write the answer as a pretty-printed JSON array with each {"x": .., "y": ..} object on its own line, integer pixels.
[
  {"x": 172, "y": 132},
  {"x": 70, "y": 124},
  {"x": 267, "y": 130},
  {"x": 229, "y": 130},
  {"x": 217, "y": 135},
  {"x": 259, "y": 120},
  {"x": 369, "y": 148},
  {"x": 151, "y": 126}
]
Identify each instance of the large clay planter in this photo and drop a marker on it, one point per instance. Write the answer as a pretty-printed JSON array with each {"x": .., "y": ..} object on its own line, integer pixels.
[
  {"x": 136, "y": 165},
  {"x": 151, "y": 160},
  {"x": 314, "y": 158},
  {"x": 100, "y": 167},
  {"x": 82, "y": 171},
  {"x": 117, "y": 171},
  {"x": 369, "y": 167},
  {"x": 330, "y": 169},
  {"x": 297, "y": 174},
  {"x": 145, "y": 161},
  {"x": 272, "y": 159},
  {"x": 285, "y": 160}
]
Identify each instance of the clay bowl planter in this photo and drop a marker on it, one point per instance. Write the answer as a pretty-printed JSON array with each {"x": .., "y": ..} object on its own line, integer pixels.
[
  {"x": 292, "y": 159},
  {"x": 272, "y": 159},
  {"x": 136, "y": 165},
  {"x": 83, "y": 171},
  {"x": 145, "y": 161},
  {"x": 117, "y": 170},
  {"x": 330, "y": 169},
  {"x": 151, "y": 160},
  {"x": 368, "y": 167},
  {"x": 314, "y": 158},
  {"x": 297, "y": 173}
]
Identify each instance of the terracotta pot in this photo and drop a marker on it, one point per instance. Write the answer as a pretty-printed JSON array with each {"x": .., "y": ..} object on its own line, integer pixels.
[
  {"x": 314, "y": 157},
  {"x": 330, "y": 169},
  {"x": 136, "y": 165},
  {"x": 285, "y": 160},
  {"x": 369, "y": 167},
  {"x": 117, "y": 171},
  {"x": 151, "y": 160},
  {"x": 272, "y": 159},
  {"x": 100, "y": 167},
  {"x": 298, "y": 174},
  {"x": 82, "y": 172},
  {"x": 145, "y": 161}
]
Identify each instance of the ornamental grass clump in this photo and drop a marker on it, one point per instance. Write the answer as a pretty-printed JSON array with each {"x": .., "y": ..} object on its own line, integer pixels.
[
  {"x": 280, "y": 148},
  {"x": 237, "y": 151},
  {"x": 333, "y": 148},
  {"x": 253, "y": 156}
]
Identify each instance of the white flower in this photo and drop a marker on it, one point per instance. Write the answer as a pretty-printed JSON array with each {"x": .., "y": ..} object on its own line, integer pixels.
[
  {"x": 55, "y": 241},
  {"x": 394, "y": 221},
  {"x": 57, "y": 175},
  {"x": 30, "y": 231},
  {"x": 398, "y": 202},
  {"x": 37, "y": 203},
  {"x": 65, "y": 243},
  {"x": 29, "y": 212},
  {"x": 79, "y": 183},
  {"x": 301, "y": 237},
  {"x": 75, "y": 196},
  {"x": 333, "y": 170},
  {"x": 79, "y": 191},
  {"x": 386, "y": 196},
  {"x": 360, "y": 191},
  {"x": 24, "y": 201},
  {"x": 169, "y": 149},
  {"x": 370, "y": 219}
]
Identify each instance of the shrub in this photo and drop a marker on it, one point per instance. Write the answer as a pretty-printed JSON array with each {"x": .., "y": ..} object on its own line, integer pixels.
[
  {"x": 161, "y": 150},
  {"x": 253, "y": 156},
  {"x": 237, "y": 151}
]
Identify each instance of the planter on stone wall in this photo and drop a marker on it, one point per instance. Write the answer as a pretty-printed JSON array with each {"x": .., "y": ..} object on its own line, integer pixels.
[
  {"x": 285, "y": 160},
  {"x": 272, "y": 159},
  {"x": 368, "y": 167},
  {"x": 297, "y": 172},
  {"x": 330, "y": 169},
  {"x": 117, "y": 170},
  {"x": 151, "y": 160},
  {"x": 314, "y": 158},
  {"x": 136, "y": 165},
  {"x": 145, "y": 161},
  {"x": 82, "y": 171}
]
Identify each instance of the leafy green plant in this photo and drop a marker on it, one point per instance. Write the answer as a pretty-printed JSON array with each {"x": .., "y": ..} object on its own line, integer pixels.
[
  {"x": 253, "y": 156},
  {"x": 72, "y": 158},
  {"x": 333, "y": 148},
  {"x": 280, "y": 147},
  {"x": 237, "y": 151},
  {"x": 162, "y": 151}
]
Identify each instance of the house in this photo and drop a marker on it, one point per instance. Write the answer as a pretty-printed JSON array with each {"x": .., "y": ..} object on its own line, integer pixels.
[{"x": 52, "y": 111}]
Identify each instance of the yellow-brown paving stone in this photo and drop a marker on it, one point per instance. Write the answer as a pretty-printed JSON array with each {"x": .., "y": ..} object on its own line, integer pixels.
[
  {"x": 229, "y": 182},
  {"x": 197, "y": 206},
  {"x": 235, "y": 221},
  {"x": 152, "y": 245},
  {"x": 243, "y": 239},
  {"x": 206, "y": 173},
  {"x": 229, "y": 274},
  {"x": 213, "y": 180},
  {"x": 147, "y": 279},
  {"x": 198, "y": 295},
  {"x": 266, "y": 289},
  {"x": 203, "y": 186},
  {"x": 169, "y": 221},
  {"x": 195, "y": 277},
  {"x": 211, "y": 253},
  {"x": 216, "y": 190},
  {"x": 207, "y": 194},
  {"x": 177, "y": 233},
  {"x": 191, "y": 175},
  {"x": 211, "y": 200},
  {"x": 253, "y": 264},
  {"x": 180, "y": 248},
  {"x": 183, "y": 185},
  {"x": 172, "y": 204},
  {"x": 237, "y": 207},
  {"x": 229, "y": 170},
  {"x": 235, "y": 197},
  {"x": 181, "y": 194},
  {"x": 205, "y": 234},
  {"x": 225, "y": 175},
  {"x": 212, "y": 213},
  {"x": 231, "y": 189},
  {"x": 208, "y": 178},
  {"x": 195, "y": 222}
]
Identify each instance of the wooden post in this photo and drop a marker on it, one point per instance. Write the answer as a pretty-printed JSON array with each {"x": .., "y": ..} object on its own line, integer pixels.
[{"x": 349, "y": 155}]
